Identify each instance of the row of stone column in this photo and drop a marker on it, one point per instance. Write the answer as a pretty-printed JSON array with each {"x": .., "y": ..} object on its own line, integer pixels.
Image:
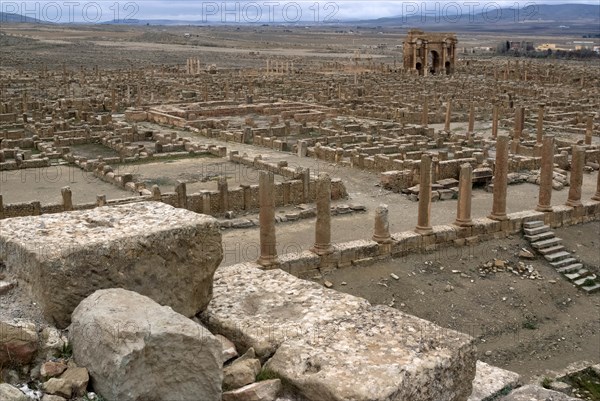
[{"x": 323, "y": 245}]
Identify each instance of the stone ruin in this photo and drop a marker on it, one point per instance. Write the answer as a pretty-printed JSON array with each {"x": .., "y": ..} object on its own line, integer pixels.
[{"x": 150, "y": 259}]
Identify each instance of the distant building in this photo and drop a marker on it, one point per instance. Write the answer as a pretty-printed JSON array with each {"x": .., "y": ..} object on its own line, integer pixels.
[
  {"x": 583, "y": 45},
  {"x": 430, "y": 53}
]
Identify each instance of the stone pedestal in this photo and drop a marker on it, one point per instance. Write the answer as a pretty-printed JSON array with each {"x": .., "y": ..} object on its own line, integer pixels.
[
  {"x": 540, "y": 125},
  {"x": 323, "y": 226},
  {"x": 596, "y": 196},
  {"x": 500, "y": 179},
  {"x": 577, "y": 163},
  {"x": 423, "y": 219},
  {"x": 589, "y": 129},
  {"x": 181, "y": 191},
  {"x": 463, "y": 211},
  {"x": 381, "y": 233},
  {"x": 223, "y": 189},
  {"x": 471, "y": 118},
  {"x": 546, "y": 175},
  {"x": 67, "y": 199},
  {"x": 266, "y": 194},
  {"x": 448, "y": 115}
]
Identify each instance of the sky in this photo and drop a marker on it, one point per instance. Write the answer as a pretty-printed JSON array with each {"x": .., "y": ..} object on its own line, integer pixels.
[{"x": 260, "y": 11}]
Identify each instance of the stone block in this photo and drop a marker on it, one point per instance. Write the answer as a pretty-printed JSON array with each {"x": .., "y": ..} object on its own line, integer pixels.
[
  {"x": 324, "y": 343},
  {"x": 136, "y": 349},
  {"x": 165, "y": 253}
]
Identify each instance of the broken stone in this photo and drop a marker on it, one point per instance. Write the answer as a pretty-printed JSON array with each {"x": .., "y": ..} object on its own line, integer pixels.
[
  {"x": 328, "y": 284},
  {"x": 533, "y": 392},
  {"x": 137, "y": 361},
  {"x": 526, "y": 254},
  {"x": 52, "y": 369},
  {"x": 395, "y": 276},
  {"x": 5, "y": 287},
  {"x": 229, "y": 351},
  {"x": 18, "y": 342},
  {"x": 11, "y": 393},
  {"x": 491, "y": 381},
  {"x": 262, "y": 391},
  {"x": 240, "y": 373}
]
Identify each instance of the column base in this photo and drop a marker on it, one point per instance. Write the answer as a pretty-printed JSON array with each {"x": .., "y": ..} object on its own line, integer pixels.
[
  {"x": 597, "y": 196},
  {"x": 463, "y": 223},
  {"x": 574, "y": 203},
  {"x": 382, "y": 239},
  {"x": 498, "y": 217},
  {"x": 543, "y": 208},
  {"x": 423, "y": 230},
  {"x": 322, "y": 249},
  {"x": 268, "y": 261}
]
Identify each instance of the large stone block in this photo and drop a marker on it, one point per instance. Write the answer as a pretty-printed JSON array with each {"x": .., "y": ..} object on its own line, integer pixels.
[
  {"x": 137, "y": 350},
  {"x": 165, "y": 253},
  {"x": 333, "y": 346}
]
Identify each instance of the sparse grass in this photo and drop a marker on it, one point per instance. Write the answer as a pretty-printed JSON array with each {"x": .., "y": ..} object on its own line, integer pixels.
[
  {"x": 66, "y": 352},
  {"x": 546, "y": 382},
  {"x": 530, "y": 324},
  {"x": 587, "y": 382},
  {"x": 266, "y": 374},
  {"x": 589, "y": 282}
]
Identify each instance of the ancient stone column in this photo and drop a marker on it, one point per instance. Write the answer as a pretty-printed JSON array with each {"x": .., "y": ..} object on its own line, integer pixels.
[
  {"x": 1, "y": 207},
  {"x": 100, "y": 200},
  {"x": 596, "y": 196},
  {"x": 448, "y": 115},
  {"x": 577, "y": 163},
  {"x": 223, "y": 189},
  {"x": 266, "y": 195},
  {"x": 381, "y": 233},
  {"x": 323, "y": 226},
  {"x": 495, "y": 122},
  {"x": 546, "y": 175},
  {"x": 517, "y": 130},
  {"x": 425, "y": 115},
  {"x": 423, "y": 219},
  {"x": 540, "y": 124},
  {"x": 67, "y": 198},
  {"x": 156, "y": 195},
  {"x": 181, "y": 191},
  {"x": 465, "y": 188},
  {"x": 471, "y": 118},
  {"x": 589, "y": 129},
  {"x": 500, "y": 179}
]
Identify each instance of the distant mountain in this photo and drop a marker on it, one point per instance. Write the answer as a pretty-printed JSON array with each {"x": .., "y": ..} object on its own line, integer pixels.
[
  {"x": 17, "y": 18},
  {"x": 562, "y": 14}
]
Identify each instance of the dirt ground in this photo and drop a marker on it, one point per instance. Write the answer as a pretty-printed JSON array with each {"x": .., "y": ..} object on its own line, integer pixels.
[
  {"x": 44, "y": 185},
  {"x": 527, "y": 326}
]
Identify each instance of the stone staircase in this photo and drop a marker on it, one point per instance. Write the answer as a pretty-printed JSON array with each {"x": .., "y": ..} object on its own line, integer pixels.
[{"x": 543, "y": 240}]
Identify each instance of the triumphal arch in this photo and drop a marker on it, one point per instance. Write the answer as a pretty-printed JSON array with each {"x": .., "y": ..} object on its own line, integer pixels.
[{"x": 430, "y": 53}]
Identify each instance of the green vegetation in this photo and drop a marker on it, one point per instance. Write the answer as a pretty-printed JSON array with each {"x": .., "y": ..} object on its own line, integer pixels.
[
  {"x": 586, "y": 383},
  {"x": 546, "y": 382},
  {"x": 266, "y": 374}
]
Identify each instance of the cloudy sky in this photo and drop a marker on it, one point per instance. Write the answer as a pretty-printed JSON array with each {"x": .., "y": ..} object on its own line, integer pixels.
[{"x": 258, "y": 11}]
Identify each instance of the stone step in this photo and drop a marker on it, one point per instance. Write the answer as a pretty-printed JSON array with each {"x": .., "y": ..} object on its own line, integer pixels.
[
  {"x": 564, "y": 262},
  {"x": 579, "y": 274},
  {"x": 554, "y": 257},
  {"x": 569, "y": 268},
  {"x": 536, "y": 230},
  {"x": 546, "y": 243},
  {"x": 552, "y": 249},
  {"x": 582, "y": 280},
  {"x": 533, "y": 224},
  {"x": 590, "y": 289},
  {"x": 540, "y": 237}
]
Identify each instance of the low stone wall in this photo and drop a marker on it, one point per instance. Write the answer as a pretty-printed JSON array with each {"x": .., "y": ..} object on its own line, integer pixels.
[{"x": 307, "y": 264}]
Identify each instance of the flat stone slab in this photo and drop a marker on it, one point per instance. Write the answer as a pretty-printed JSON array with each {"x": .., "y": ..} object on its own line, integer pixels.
[
  {"x": 165, "y": 253},
  {"x": 490, "y": 381},
  {"x": 333, "y": 346},
  {"x": 534, "y": 393}
]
